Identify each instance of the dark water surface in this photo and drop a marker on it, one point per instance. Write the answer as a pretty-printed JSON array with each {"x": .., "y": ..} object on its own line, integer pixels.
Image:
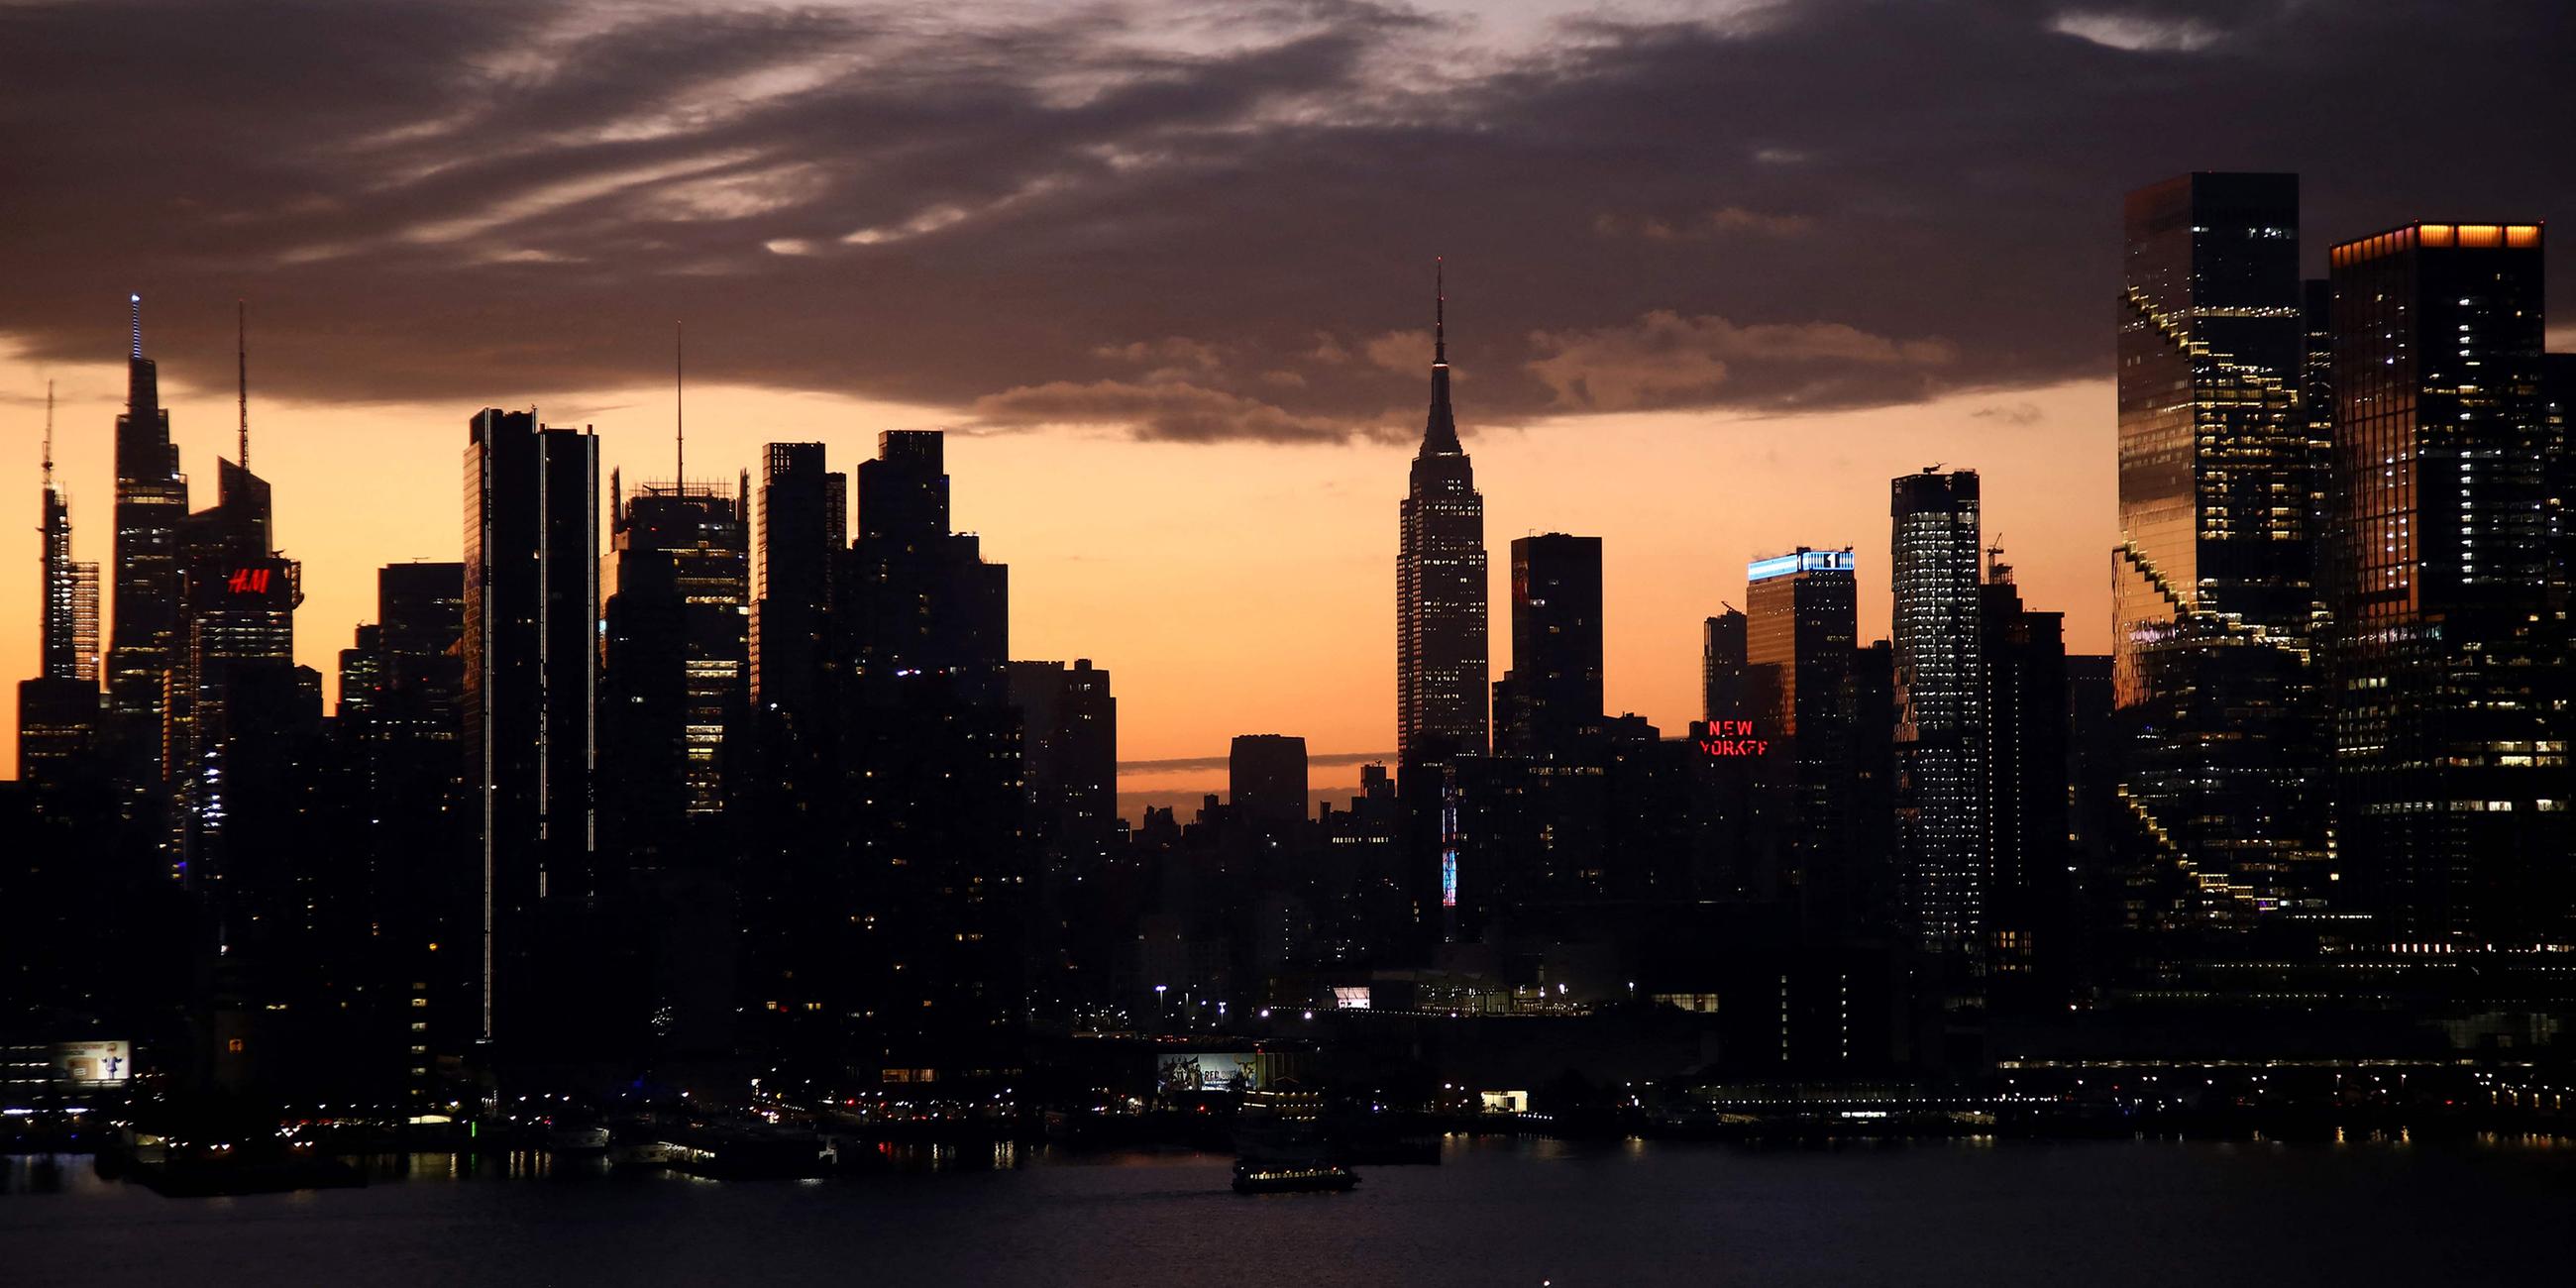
[{"x": 1497, "y": 1212}]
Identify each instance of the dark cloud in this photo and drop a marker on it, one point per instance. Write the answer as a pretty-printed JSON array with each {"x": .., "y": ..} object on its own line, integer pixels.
[
  {"x": 1193, "y": 224},
  {"x": 1196, "y": 764}
]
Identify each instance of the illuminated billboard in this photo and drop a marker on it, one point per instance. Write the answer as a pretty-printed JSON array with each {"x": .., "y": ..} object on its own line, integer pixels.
[
  {"x": 93, "y": 1063},
  {"x": 1802, "y": 561},
  {"x": 1216, "y": 1070},
  {"x": 1729, "y": 738}
]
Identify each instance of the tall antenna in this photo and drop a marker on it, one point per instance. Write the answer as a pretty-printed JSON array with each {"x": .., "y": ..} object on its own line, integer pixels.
[
  {"x": 49, "y": 436},
  {"x": 241, "y": 362},
  {"x": 1440, "y": 310},
  {"x": 134, "y": 310},
  {"x": 679, "y": 405}
]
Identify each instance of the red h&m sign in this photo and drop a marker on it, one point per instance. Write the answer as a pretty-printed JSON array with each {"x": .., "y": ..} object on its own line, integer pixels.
[{"x": 247, "y": 581}]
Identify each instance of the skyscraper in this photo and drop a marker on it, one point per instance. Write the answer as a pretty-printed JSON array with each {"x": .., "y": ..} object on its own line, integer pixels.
[
  {"x": 151, "y": 499},
  {"x": 58, "y": 709},
  {"x": 804, "y": 525},
  {"x": 1266, "y": 779},
  {"x": 1554, "y": 685},
  {"x": 1722, "y": 685},
  {"x": 2213, "y": 588},
  {"x": 2213, "y": 447},
  {"x": 68, "y": 644},
  {"x": 530, "y": 709},
  {"x": 236, "y": 621},
  {"x": 1069, "y": 752},
  {"x": 1800, "y": 628},
  {"x": 398, "y": 731},
  {"x": 1936, "y": 550},
  {"x": 1440, "y": 659},
  {"x": 2448, "y": 656},
  {"x": 674, "y": 658},
  {"x": 2022, "y": 697},
  {"x": 930, "y": 795}
]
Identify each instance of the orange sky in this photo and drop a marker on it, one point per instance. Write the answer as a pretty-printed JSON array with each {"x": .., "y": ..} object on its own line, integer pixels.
[{"x": 1229, "y": 588}]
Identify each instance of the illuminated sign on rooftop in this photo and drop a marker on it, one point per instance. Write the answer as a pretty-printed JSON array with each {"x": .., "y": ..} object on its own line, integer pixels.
[
  {"x": 1729, "y": 738},
  {"x": 1802, "y": 561}
]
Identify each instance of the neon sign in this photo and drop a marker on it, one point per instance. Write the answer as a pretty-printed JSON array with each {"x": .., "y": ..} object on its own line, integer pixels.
[
  {"x": 1449, "y": 877},
  {"x": 1732, "y": 738},
  {"x": 247, "y": 581}
]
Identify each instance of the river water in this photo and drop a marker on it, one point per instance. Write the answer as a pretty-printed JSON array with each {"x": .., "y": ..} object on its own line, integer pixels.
[{"x": 1509, "y": 1212}]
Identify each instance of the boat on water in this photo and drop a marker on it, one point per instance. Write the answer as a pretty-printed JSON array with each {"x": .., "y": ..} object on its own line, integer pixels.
[
  {"x": 1279, "y": 1146},
  {"x": 577, "y": 1139}
]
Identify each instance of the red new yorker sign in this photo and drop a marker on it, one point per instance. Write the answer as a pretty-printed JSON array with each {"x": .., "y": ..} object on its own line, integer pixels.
[{"x": 1733, "y": 738}]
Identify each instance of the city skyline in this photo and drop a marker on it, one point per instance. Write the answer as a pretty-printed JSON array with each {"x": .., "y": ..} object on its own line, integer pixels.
[
  {"x": 1673, "y": 578},
  {"x": 921, "y": 638},
  {"x": 1633, "y": 340}
]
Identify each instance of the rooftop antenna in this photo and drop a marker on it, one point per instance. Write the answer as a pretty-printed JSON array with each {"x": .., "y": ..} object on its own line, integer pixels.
[
  {"x": 134, "y": 310},
  {"x": 679, "y": 407},
  {"x": 241, "y": 365},
  {"x": 1440, "y": 310},
  {"x": 49, "y": 436}
]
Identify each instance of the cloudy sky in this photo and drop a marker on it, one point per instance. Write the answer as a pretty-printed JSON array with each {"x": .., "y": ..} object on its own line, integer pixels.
[{"x": 1716, "y": 270}]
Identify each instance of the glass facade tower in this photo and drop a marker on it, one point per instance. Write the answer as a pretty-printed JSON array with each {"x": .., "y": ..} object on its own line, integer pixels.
[
  {"x": 2213, "y": 590},
  {"x": 2449, "y": 650}
]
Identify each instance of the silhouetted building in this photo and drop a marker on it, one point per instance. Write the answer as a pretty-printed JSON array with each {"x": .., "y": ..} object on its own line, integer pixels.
[
  {"x": 1936, "y": 549},
  {"x": 2022, "y": 853},
  {"x": 1069, "y": 752},
  {"x": 673, "y": 680},
  {"x": 151, "y": 500},
  {"x": 1266, "y": 779},
  {"x": 530, "y": 709},
  {"x": 2093, "y": 791},
  {"x": 58, "y": 729},
  {"x": 2449, "y": 659},
  {"x": 929, "y": 799},
  {"x": 68, "y": 629},
  {"x": 398, "y": 723},
  {"x": 1549, "y": 703},
  {"x": 1440, "y": 657},
  {"x": 2213, "y": 585},
  {"x": 1722, "y": 684},
  {"x": 59, "y": 710},
  {"x": 804, "y": 526},
  {"x": 237, "y": 611}
]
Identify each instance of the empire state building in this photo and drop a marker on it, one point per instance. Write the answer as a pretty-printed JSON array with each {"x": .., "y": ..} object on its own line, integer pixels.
[{"x": 1440, "y": 588}]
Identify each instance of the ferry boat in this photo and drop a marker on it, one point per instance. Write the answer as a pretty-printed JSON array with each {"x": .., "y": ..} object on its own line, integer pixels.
[{"x": 1279, "y": 1146}]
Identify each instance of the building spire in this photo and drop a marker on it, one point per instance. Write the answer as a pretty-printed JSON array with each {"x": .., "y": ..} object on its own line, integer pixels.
[
  {"x": 134, "y": 316},
  {"x": 49, "y": 436},
  {"x": 241, "y": 366},
  {"x": 1440, "y": 435}
]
